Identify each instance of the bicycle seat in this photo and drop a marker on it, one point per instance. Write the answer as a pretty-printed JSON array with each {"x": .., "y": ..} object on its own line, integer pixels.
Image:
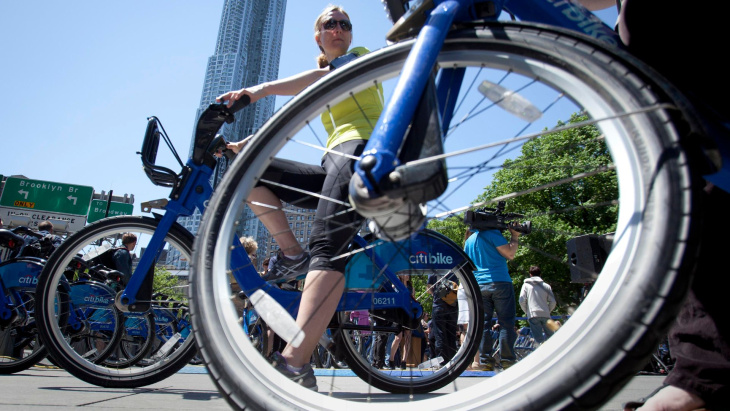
[{"x": 9, "y": 239}]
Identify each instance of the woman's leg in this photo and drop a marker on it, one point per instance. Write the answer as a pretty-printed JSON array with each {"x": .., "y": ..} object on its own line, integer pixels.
[
  {"x": 267, "y": 207},
  {"x": 321, "y": 294},
  {"x": 332, "y": 233}
]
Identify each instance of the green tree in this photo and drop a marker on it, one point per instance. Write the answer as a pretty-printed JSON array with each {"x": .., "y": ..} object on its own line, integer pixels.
[
  {"x": 558, "y": 213},
  {"x": 166, "y": 283},
  {"x": 452, "y": 227},
  {"x": 579, "y": 206}
]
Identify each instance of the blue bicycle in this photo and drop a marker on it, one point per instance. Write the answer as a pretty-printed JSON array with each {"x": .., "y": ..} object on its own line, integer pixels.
[
  {"x": 465, "y": 93},
  {"x": 97, "y": 333},
  {"x": 132, "y": 353},
  {"x": 20, "y": 347}
]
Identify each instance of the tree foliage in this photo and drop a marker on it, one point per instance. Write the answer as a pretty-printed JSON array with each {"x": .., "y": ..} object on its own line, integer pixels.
[
  {"x": 558, "y": 213},
  {"x": 166, "y": 283}
]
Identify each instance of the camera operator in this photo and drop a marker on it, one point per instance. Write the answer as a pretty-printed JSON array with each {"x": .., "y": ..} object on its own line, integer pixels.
[{"x": 489, "y": 251}]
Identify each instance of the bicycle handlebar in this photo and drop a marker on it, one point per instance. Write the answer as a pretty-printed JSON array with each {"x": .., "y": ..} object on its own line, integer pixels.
[{"x": 209, "y": 123}]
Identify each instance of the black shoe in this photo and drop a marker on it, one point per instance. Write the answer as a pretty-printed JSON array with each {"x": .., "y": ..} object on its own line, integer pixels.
[
  {"x": 287, "y": 269},
  {"x": 304, "y": 377},
  {"x": 390, "y": 365}
]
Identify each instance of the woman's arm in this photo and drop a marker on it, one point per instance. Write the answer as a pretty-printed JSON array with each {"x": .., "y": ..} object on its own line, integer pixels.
[
  {"x": 597, "y": 4},
  {"x": 284, "y": 87}
]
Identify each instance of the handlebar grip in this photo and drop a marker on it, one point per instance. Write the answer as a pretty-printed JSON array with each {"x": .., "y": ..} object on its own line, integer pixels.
[
  {"x": 240, "y": 103},
  {"x": 219, "y": 145}
]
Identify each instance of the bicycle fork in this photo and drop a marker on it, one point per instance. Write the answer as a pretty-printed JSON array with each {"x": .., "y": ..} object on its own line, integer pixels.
[
  {"x": 389, "y": 185},
  {"x": 195, "y": 192}
]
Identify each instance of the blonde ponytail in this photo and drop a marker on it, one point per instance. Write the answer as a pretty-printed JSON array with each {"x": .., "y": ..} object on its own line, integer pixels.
[{"x": 322, "y": 60}]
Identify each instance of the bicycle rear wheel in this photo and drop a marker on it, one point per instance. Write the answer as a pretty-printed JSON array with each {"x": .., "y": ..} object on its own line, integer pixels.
[
  {"x": 56, "y": 327},
  {"x": 605, "y": 153},
  {"x": 415, "y": 376}
]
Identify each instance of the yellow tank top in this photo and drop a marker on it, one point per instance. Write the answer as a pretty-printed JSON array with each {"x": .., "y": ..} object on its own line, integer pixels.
[{"x": 355, "y": 117}]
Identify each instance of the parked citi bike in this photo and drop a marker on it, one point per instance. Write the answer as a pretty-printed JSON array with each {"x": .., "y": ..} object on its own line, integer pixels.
[
  {"x": 20, "y": 347},
  {"x": 142, "y": 338},
  {"x": 465, "y": 93}
]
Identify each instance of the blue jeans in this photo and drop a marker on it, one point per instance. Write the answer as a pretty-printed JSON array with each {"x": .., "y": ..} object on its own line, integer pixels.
[
  {"x": 444, "y": 330},
  {"x": 539, "y": 329},
  {"x": 499, "y": 297}
]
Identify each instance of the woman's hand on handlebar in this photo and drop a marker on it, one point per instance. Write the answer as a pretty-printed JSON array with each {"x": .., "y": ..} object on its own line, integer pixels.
[
  {"x": 238, "y": 145},
  {"x": 235, "y": 147},
  {"x": 254, "y": 93}
]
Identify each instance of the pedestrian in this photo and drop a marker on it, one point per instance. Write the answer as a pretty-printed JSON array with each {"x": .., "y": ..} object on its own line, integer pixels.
[
  {"x": 537, "y": 301},
  {"x": 123, "y": 256},
  {"x": 700, "y": 338},
  {"x": 444, "y": 316},
  {"x": 489, "y": 251}
]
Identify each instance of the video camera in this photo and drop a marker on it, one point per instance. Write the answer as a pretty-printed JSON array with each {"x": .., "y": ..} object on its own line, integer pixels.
[{"x": 496, "y": 219}]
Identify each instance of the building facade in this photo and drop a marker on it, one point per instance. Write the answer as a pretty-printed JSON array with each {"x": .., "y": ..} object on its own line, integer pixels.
[{"x": 247, "y": 52}]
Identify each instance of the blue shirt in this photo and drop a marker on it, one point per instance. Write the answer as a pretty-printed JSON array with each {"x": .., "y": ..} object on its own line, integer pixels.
[{"x": 481, "y": 247}]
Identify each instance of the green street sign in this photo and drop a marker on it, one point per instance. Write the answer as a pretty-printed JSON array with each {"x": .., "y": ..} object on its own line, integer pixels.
[
  {"x": 46, "y": 196},
  {"x": 97, "y": 210}
]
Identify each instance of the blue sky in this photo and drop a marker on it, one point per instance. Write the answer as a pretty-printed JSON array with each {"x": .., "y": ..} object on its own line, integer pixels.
[{"x": 80, "y": 78}]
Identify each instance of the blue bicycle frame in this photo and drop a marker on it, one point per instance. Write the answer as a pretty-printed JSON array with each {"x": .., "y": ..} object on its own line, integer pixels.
[
  {"x": 375, "y": 267},
  {"x": 17, "y": 276},
  {"x": 194, "y": 194},
  {"x": 387, "y": 138}
]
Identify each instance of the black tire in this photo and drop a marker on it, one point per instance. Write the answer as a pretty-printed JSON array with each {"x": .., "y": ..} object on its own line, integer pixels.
[
  {"x": 614, "y": 330},
  {"x": 102, "y": 332},
  {"x": 394, "y": 381},
  {"x": 25, "y": 350},
  {"x": 56, "y": 333},
  {"x": 136, "y": 341}
]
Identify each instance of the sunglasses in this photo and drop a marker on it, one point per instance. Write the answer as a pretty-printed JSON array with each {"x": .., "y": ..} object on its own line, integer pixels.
[{"x": 332, "y": 23}]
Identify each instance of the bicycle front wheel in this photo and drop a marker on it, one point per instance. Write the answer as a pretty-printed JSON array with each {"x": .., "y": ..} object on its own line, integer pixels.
[
  {"x": 595, "y": 152},
  {"x": 62, "y": 330}
]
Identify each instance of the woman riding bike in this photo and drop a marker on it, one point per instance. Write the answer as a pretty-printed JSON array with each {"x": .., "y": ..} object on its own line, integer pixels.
[{"x": 348, "y": 133}]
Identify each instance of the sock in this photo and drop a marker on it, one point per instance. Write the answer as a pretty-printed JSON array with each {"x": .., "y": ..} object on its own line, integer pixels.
[{"x": 294, "y": 369}]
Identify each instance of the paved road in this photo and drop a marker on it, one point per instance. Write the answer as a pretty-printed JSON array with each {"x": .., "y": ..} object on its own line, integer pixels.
[{"x": 43, "y": 388}]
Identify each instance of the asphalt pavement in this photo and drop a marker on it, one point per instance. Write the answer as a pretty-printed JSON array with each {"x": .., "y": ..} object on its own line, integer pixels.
[{"x": 45, "y": 387}]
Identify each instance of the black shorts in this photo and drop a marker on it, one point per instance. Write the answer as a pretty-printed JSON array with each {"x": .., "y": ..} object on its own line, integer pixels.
[{"x": 333, "y": 228}]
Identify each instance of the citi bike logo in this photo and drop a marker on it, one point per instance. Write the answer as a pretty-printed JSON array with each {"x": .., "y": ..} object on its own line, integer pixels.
[
  {"x": 28, "y": 279},
  {"x": 162, "y": 320},
  {"x": 422, "y": 257},
  {"x": 96, "y": 299}
]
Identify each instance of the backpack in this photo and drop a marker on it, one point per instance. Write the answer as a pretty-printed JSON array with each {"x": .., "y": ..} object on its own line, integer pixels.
[
  {"x": 106, "y": 258},
  {"x": 38, "y": 247}
]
